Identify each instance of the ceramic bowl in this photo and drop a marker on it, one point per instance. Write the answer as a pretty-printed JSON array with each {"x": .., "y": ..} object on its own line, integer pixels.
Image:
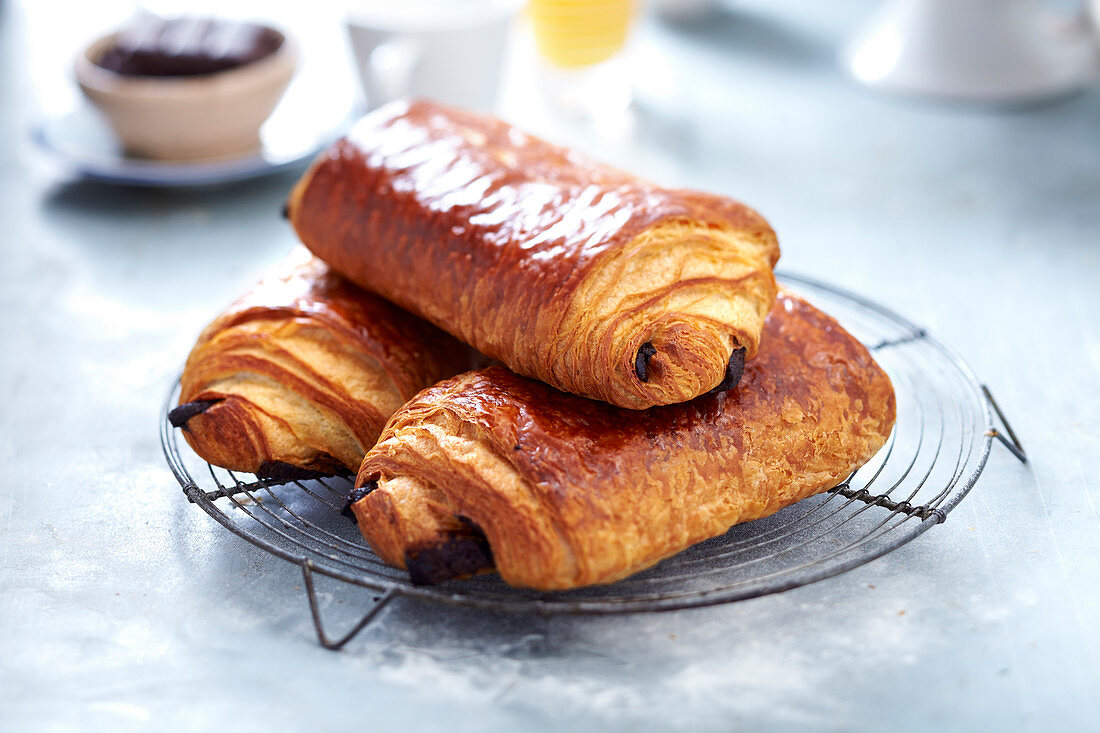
[{"x": 213, "y": 115}]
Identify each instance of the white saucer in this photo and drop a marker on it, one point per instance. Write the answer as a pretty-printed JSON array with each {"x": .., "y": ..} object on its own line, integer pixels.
[{"x": 83, "y": 142}]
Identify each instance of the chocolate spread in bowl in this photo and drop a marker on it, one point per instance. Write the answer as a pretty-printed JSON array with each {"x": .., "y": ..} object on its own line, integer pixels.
[{"x": 187, "y": 46}]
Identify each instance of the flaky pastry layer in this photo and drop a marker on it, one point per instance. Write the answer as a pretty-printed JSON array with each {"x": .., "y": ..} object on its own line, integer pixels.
[
  {"x": 556, "y": 491},
  {"x": 304, "y": 371},
  {"x": 566, "y": 270}
]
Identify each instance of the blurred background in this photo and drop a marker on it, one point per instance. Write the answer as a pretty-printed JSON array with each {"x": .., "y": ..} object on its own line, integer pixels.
[{"x": 888, "y": 125}]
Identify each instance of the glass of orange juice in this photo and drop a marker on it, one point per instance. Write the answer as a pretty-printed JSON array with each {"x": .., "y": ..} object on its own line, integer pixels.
[{"x": 581, "y": 43}]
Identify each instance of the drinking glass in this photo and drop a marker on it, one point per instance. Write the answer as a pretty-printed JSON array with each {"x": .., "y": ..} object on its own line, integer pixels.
[{"x": 582, "y": 45}]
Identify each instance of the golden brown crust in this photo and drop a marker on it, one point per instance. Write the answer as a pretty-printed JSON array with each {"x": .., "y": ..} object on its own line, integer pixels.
[
  {"x": 557, "y": 266},
  {"x": 305, "y": 369},
  {"x": 571, "y": 492}
]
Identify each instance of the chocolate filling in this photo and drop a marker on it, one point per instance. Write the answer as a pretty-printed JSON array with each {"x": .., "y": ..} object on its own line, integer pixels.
[
  {"x": 641, "y": 361},
  {"x": 178, "y": 416},
  {"x": 458, "y": 556},
  {"x": 355, "y": 495},
  {"x": 280, "y": 471},
  {"x": 735, "y": 369},
  {"x": 187, "y": 46}
]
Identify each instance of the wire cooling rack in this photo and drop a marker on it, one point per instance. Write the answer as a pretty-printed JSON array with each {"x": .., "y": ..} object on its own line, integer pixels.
[{"x": 945, "y": 429}]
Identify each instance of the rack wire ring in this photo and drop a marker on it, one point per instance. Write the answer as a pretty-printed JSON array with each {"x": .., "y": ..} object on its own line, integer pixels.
[{"x": 933, "y": 458}]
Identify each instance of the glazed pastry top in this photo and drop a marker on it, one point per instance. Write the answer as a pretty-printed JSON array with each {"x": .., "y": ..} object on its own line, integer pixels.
[
  {"x": 569, "y": 491},
  {"x": 303, "y": 371},
  {"x": 560, "y": 267}
]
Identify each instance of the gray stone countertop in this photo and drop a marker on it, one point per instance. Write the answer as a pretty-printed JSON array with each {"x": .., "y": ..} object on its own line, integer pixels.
[{"x": 122, "y": 607}]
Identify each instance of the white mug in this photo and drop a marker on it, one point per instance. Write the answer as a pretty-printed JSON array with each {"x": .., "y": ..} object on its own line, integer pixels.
[
  {"x": 982, "y": 50},
  {"x": 448, "y": 50}
]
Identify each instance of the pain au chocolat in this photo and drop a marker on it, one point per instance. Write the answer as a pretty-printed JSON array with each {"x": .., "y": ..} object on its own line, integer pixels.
[
  {"x": 493, "y": 470},
  {"x": 568, "y": 271},
  {"x": 298, "y": 377}
]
